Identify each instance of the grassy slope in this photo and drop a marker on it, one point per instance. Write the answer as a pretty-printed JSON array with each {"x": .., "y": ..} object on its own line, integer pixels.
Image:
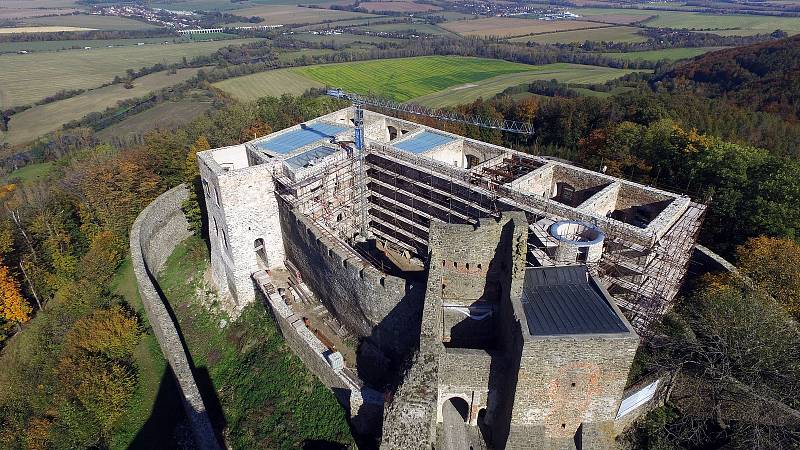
[
  {"x": 613, "y": 34},
  {"x": 29, "y": 173},
  {"x": 407, "y": 78},
  {"x": 165, "y": 115},
  {"x": 27, "y": 78},
  {"x": 657, "y": 55},
  {"x": 269, "y": 399},
  {"x": 34, "y": 122},
  {"x": 566, "y": 73},
  {"x": 273, "y": 82}
]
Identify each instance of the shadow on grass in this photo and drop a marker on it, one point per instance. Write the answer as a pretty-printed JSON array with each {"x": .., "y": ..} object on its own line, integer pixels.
[
  {"x": 159, "y": 431},
  {"x": 204, "y": 384}
]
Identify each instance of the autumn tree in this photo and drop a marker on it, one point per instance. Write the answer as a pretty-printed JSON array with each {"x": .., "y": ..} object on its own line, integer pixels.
[
  {"x": 13, "y": 307},
  {"x": 194, "y": 205},
  {"x": 773, "y": 264}
]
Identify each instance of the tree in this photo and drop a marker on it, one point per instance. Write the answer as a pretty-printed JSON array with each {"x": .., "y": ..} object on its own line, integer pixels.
[
  {"x": 773, "y": 264},
  {"x": 13, "y": 307},
  {"x": 194, "y": 205}
]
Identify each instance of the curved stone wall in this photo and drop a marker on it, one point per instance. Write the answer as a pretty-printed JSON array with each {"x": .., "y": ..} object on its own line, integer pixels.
[{"x": 154, "y": 235}]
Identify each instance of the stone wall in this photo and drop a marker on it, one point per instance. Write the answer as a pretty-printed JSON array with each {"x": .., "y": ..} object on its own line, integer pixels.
[
  {"x": 365, "y": 405},
  {"x": 379, "y": 308},
  {"x": 565, "y": 382},
  {"x": 154, "y": 235}
]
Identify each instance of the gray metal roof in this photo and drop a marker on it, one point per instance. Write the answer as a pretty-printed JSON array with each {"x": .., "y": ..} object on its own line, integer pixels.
[
  {"x": 564, "y": 300},
  {"x": 308, "y": 157}
]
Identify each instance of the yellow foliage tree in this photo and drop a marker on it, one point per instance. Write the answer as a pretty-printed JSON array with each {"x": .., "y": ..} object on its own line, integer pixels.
[
  {"x": 773, "y": 264},
  {"x": 13, "y": 307},
  {"x": 112, "y": 332}
]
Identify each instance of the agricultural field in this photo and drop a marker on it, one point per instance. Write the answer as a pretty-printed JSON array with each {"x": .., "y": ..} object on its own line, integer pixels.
[
  {"x": 19, "y": 4},
  {"x": 406, "y": 78},
  {"x": 398, "y": 6},
  {"x": 615, "y": 16},
  {"x": 657, "y": 55},
  {"x": 23, "y": 13},
  {"x": 509, "y": 27},
  {"x": 610, "y": 34},
  {"x": 745, "y": 24},
  {"x": 374, "y": 20},
  {"x": 270, "y": 83},
  {"x": 90, "y": 21},
  {"x": 290, "y": 57},
  {"x": 343, "y": 39},
  {"x": 422, "y": 28},
  {"x": 78, "y": 45},
  {"x": 165, "y": 116},
  {"x": 735, "y": 24},
  {"x": 290, "y": 14},
  {"x": 28, "y": 78},
  {"x": 38, "y": 29},
  {"x": 565, "y": 73},
  {"x": 34, "y": 122}
]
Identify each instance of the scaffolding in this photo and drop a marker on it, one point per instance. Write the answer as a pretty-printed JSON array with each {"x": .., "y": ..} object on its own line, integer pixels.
[{"x": 396, "y": 196}]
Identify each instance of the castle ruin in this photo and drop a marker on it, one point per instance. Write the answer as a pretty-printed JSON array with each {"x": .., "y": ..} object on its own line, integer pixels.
[{"x": 496, "y": 298}]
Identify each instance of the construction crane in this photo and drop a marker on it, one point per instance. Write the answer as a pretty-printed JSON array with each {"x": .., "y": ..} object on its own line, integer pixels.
[{"x": 409, "y": 108}]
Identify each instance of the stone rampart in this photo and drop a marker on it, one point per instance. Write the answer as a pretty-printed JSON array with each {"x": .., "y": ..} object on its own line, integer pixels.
[
  {"x": 154, "y": 235},
  {"x": 370, "y": 303},
  {"x": 365, "y": 404}
]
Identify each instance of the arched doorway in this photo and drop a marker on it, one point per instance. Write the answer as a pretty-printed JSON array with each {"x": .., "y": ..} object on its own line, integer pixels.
[
  {"x": 261, "y": 253},
  {"x": 459, "y": 405},
  {"x": 392, "y": 132},
  {"x": 472, "y": 161}
]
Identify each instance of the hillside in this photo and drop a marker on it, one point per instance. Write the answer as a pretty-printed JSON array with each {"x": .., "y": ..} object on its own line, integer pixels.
[{"x": 764, "y": 76}]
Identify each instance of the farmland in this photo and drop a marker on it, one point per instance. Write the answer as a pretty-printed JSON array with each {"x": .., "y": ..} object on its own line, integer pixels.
[
  {"x": 167, "y": 115},
  {"x": 47, "y": 46},
  {"x": 396, "y": 6},
  {"x": 565, "y": 73},
  {"x": 290, "y": 14},
  {"x": 610, "y": 34},
  {"x": 508, "y": 27},
  {"x": 735, "y": 24},
  {"x": 406, "y": 78},
  {"x": 422, "y": 28},
  {"x": 28, "y": 78},
  {"x": 434, "y": 81},
  {"x": 658, "y": 55},
  {"x": 36, "y": 121},
  {"x": 272, "y": 82},
  {"x": 91, "y": 21},
  {"x": 37, "y": 29},
  {"x": 745, "y": 24}
]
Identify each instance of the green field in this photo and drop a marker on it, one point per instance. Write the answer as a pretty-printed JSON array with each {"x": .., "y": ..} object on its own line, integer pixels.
[
  {"x": 565, "y": 73},
  {"x": 288, "y": 57},
  {"x": 34, "y": 122},
  {"x": 78, "y": 45},
  {"x": 91, "y": 21},
  {"x": 406, "y": 78},
  {"x": 165, "y": 116},
  {"x": 737, "y": 24},
  {"x": 270, "y": 83},
  {"x": 29, "y": 173},
  {"x": 28, "y": 78},
  {"x": 610, "y": 34},
  {"x": 747, "y": 24},
  {"x": 423, "y": 28},
  {"x": 342, "y": 39},
  {"x": 657, "y": 55}
]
